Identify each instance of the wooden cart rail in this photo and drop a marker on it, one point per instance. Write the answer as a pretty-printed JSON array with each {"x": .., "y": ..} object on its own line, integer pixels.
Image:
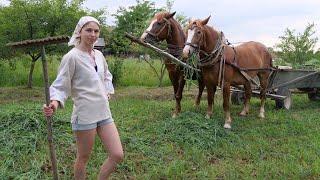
[{"x": 281, "y": 84}]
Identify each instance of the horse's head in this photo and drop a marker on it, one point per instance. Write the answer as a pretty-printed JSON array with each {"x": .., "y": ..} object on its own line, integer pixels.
[
  {"x": 159, "y": 28},
  {"x": 195, "y": 36}
]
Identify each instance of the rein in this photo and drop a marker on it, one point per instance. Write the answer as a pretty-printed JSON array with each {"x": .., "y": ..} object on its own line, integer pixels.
[
  {"x": 218, "y": 51},
  {"x": 213, "y": 57}
]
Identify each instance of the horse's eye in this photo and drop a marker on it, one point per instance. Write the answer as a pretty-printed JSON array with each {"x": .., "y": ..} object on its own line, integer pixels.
[
  {"x": 199, "y": 32},
  {"x": 159, "y": 23}
]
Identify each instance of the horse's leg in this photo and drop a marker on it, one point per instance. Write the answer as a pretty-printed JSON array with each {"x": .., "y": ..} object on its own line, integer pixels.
[
  {"x": 263, "y": 77},
  {"x": 211, "y": 89},
  {"x": 226, "y": 105},
  {"x": 178, "y": 94},
  {"x": 247, "y": 96},
  {"x": 200, "y": 90},
  {"x": 173, "y": 75}
]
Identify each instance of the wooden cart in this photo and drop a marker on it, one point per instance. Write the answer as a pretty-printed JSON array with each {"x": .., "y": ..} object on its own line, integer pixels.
[{"x": 282, "y": 83}]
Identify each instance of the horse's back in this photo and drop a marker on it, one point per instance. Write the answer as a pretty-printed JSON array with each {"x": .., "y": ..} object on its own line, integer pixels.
[{"x": 253, "y": 55}]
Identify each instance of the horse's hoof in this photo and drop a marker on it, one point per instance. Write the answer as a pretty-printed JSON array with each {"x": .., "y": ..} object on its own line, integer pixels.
[
  {"x": 174, "y": 115},
  {"x": 196, "y": 103},
  {"x": 208, "y": 116},
  {"x": 261, "y": 116},
  {"x": 242, "y": 114},
  {"x": 227, "y": 126}
]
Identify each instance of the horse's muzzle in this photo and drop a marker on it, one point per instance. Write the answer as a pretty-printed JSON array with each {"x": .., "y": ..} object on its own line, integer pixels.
[{"x": 186, "y": 52}]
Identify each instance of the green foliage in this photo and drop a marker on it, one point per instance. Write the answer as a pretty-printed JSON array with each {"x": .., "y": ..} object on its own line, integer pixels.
[
  {"x": 126, "y": 72},
  {"x": 116, "y": 69},
  {"x": 39, "y": 19},
  {"x": 191, "y": 74},
  {"x": 132, "y": 20},
  {"x": 139, "y": 73},
  {"x": 169, "y": 4},
  {"x": 14, "y": 71},
  {"x": 297, "y": 49},
  {"x": 20, "y": 141},
  {"x": 34, "y": 19},
  {"x": 183, "y": 20}
]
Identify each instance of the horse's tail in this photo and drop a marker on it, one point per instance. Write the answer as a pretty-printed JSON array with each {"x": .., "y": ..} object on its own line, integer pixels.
[{"x": 269, "y": 58}]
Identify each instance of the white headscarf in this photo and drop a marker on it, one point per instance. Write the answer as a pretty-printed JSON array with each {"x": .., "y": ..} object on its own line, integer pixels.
[{"x": 74, "y": 40}]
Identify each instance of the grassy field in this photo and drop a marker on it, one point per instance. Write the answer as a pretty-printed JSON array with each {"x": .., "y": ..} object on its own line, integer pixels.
[
  {"x": 285, "y": 145},
  {"x": 135, "y": 72}
]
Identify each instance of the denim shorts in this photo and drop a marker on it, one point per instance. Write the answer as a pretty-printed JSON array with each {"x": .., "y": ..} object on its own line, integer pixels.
[{"x": 82, "y": 127}]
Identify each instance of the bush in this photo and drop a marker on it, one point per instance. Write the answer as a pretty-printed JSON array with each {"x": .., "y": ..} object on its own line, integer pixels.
[{"x": 116, "y": 69}]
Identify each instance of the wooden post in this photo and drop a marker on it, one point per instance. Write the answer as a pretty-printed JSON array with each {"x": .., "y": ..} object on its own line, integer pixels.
[{"x": 49, "y": 118}]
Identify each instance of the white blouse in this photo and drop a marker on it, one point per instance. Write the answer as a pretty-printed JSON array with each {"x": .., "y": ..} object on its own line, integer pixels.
[{"x": 88, "y": 88}]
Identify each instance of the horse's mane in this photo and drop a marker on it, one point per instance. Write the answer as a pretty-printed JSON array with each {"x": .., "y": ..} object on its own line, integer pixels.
[
  {"x": 160, "y": 15},
  {"x": 197, "y": 23}
]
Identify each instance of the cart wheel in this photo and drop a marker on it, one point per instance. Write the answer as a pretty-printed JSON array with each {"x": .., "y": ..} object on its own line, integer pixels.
[
  {"x": 314, "y": 96},
  {"x": 237, "y": 97},
  {"x": 284, "y": 103}
]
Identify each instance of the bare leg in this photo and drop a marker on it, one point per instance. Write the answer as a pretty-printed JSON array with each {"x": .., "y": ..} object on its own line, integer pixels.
[
  {"x": 226, "y": 106},
  {"x": 110, "y": 138},
  {"x": 245, "y": 110},
  {"x": 84, "y": 141}
]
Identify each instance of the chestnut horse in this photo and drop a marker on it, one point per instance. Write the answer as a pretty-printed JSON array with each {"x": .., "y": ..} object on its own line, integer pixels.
[
  {"x": 228, "y": 66},
  {"x": 164, "y": 27}
]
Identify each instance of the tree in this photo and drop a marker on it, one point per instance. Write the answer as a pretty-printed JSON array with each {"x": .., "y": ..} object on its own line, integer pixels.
[
  {"x": 297, "y": 49},
  {"x": 35, "y": 19},
  {"x": 169, "y": 4},
  {"x": 183, "y": 20},
  {"x": 132, "y": 20}
]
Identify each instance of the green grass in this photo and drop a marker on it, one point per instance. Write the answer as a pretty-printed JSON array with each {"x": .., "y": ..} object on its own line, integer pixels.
[
  {"x": 285, "y": 145},
  {"x": 15, "y": 72},
  {"x": 138, "y": 73}
]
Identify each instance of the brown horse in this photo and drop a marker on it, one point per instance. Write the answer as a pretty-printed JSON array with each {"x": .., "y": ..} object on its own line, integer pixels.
[
  {"x": 164, "y": 27},
  {"x": 226, "y": 66}
]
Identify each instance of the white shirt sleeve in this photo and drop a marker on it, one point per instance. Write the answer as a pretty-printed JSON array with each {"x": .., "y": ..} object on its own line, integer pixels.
[
  {"x": 108, "y": 79},
  {"x": 60, "y": 89}
]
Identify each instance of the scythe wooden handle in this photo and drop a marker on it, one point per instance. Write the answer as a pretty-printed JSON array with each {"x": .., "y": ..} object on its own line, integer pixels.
[{"x": 49, "y": 118}]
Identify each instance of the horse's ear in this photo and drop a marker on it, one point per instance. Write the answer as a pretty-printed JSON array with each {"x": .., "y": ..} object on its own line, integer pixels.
[
  {"x": 170, "y": 15},
  {"x": 190, "y": 21},
  {"x": 204, "y": 22}
]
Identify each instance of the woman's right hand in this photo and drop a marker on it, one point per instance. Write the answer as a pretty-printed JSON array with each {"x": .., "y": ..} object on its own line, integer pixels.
[{"x": 49, "y": 110}]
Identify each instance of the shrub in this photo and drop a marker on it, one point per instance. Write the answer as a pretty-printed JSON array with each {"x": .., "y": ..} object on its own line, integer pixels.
[{"x": 116, "y": 69}]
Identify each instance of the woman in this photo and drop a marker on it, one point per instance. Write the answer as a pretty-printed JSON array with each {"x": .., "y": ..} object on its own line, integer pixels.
[{"x": 83, "y": 74}]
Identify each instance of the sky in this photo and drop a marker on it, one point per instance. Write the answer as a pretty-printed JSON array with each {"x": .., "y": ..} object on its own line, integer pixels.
[{"x": 245, "y": 20}]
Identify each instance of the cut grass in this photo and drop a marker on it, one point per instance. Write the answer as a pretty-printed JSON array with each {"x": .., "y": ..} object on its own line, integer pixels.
[{"x": 285, "y": 145}]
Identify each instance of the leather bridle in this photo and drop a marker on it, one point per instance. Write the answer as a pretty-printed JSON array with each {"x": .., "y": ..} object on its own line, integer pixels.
[{"x": 156, "y": 35}]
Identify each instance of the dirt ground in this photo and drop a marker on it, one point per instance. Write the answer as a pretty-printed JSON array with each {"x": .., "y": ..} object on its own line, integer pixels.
[{"x": 20, "y": 94}]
